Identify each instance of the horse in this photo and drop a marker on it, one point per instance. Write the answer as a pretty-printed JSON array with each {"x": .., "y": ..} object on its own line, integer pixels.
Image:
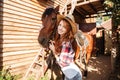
[
  {"x": 84, "y": 50},
  {"x": 47, "y": 33},
  {"x": 49, "y": 19}
]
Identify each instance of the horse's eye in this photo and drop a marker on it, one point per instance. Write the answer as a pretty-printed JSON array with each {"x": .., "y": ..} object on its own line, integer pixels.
[{"x": 53, "y": 19}]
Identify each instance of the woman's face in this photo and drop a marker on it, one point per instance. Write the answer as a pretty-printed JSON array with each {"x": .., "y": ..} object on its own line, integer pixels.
[{"x": 62, "y": 27}]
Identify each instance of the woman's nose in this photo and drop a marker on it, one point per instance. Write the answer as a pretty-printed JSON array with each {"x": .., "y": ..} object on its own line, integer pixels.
[{"x": 60, "y": 27}]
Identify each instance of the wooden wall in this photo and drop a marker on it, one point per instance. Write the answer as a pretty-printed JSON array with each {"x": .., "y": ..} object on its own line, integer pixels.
[{"x": 20, "y": 22}]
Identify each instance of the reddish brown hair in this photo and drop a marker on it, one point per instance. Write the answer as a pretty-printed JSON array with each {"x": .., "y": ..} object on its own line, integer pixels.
[{"x": 68, "y": 36}]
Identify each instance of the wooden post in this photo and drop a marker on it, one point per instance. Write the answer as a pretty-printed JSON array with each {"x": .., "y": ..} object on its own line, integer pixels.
[{"x": 115, "y": 43}]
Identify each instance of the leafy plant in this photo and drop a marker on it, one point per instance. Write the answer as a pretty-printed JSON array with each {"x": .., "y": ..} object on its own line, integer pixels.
[
  {"x": 6, "y": 75},
  {"x": 113, "y": 6},
  {"x": 32, "y": 77},
  {"x": 45, "y": 77}
]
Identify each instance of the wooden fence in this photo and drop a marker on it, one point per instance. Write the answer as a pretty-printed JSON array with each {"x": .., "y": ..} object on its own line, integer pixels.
[{"x": 20, "y": 22}]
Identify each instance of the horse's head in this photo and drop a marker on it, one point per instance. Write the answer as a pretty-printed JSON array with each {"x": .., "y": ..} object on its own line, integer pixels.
[{"x": 49, "y": 20}]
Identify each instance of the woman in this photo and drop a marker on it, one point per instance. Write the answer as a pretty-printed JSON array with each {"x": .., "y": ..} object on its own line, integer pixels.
[{"x": 64, "y": 48}]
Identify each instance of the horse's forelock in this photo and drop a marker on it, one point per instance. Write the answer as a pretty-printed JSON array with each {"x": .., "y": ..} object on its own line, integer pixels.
[{"x": 48, "y": 11}]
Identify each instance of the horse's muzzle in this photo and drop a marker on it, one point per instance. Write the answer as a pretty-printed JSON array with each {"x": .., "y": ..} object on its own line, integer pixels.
[{"x": 44, "y": 42}]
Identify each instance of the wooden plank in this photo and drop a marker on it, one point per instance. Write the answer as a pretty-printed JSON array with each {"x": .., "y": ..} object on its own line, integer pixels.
[
  {"x": 8, "y": 7},
  {"x": 87, "y": 2},
  {"x": 18, "y": 52},
  {"x": 18, "y": 70},
  {"x": 45, "y": 4},
  {"x": 18, "y": 60},
  {"x": 19, "y": 24},
  {"x": 23, "y": 29},
  {"x": 19, "y": 36},
  {"x": 8, "y": 49},
  {"x": 7, "y": 41},
  {"x": 19, "y": 64},
  {"x": 25, "y": 6},
  {"x": 21, "y": 17},
  {"x": 14, "y": 57},
  {"x": 20, "y": 44},
  {"x": 14, "y": 32},
  {"x": 17, "y": 48},
  {"x": 19, "y": 21},
  {"x": 20, "y": 13}
]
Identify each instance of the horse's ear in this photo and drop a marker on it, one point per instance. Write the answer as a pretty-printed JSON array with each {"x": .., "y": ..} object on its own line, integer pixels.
[{"x": 57, "y": 8}]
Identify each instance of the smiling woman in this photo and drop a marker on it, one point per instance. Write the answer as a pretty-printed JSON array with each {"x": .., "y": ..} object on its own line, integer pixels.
[{"x": 65, "y": 47}]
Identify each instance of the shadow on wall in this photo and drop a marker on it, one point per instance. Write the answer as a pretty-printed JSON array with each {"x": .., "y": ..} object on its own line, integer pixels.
[{"x": 1, "y": 34}]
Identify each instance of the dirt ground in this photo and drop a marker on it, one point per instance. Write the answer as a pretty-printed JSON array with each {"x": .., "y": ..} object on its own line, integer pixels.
[{"x": 99, "y": 68}]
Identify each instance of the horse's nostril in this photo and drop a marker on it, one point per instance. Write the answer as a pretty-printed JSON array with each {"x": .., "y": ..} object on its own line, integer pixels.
[
  {"x": 40, "y": 40},
  {"x": 43, "y": 42}
]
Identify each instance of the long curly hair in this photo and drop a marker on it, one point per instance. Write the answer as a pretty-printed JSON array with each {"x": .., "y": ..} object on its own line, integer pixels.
[{"x": 68, "y": 36}]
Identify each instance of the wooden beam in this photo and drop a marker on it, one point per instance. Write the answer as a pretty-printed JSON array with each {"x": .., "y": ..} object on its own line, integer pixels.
[
  {"x": 87, "y": 2},
  {"x": 92, "y": 7},
  {"x": 83, "y": 10},
  {"x": 80, "y": 13},
  {"x": 97, "y": 16}
]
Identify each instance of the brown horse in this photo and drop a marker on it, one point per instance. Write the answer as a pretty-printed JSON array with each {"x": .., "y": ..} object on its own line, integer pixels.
[
  {"x": 49, "y": 20},
  {"x": 47, "y": 33},
  {"x": 84, "y": 50}
]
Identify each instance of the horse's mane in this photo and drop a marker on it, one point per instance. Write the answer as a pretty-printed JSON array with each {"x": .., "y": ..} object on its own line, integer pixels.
[{"x": 47, "y": 11}]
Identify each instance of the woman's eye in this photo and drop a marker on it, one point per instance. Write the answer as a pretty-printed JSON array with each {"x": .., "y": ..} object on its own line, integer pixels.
[{"x": 59, "y": 25}]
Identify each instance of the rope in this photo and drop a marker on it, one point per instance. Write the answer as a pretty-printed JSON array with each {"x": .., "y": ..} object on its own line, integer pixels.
[
  {"x": 73, "y": 4},
  {"x": 82, "y": 42},
  {"x": 65, "y": 8}
]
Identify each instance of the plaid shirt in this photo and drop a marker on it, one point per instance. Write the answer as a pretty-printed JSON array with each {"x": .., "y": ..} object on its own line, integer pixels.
[{"x": 67, "y": 54}]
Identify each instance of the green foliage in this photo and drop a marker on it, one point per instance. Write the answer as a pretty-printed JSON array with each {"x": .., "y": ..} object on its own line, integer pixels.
[
  {"x": 6, "y": 75},
  {"x": 108, "y": 5},
  {"x": 45, "y": 77},
  {"x": 113, "y": 6},
  {"x": 106, "y": 18},
  {"x": 32, "y": 77}
]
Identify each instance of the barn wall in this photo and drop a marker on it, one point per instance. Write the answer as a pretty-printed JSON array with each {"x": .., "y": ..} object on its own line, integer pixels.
[{"x": 20, "y": 22}]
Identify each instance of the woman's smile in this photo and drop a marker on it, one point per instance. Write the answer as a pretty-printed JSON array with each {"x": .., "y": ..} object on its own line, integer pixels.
[{"x": 61, "y": 28}]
